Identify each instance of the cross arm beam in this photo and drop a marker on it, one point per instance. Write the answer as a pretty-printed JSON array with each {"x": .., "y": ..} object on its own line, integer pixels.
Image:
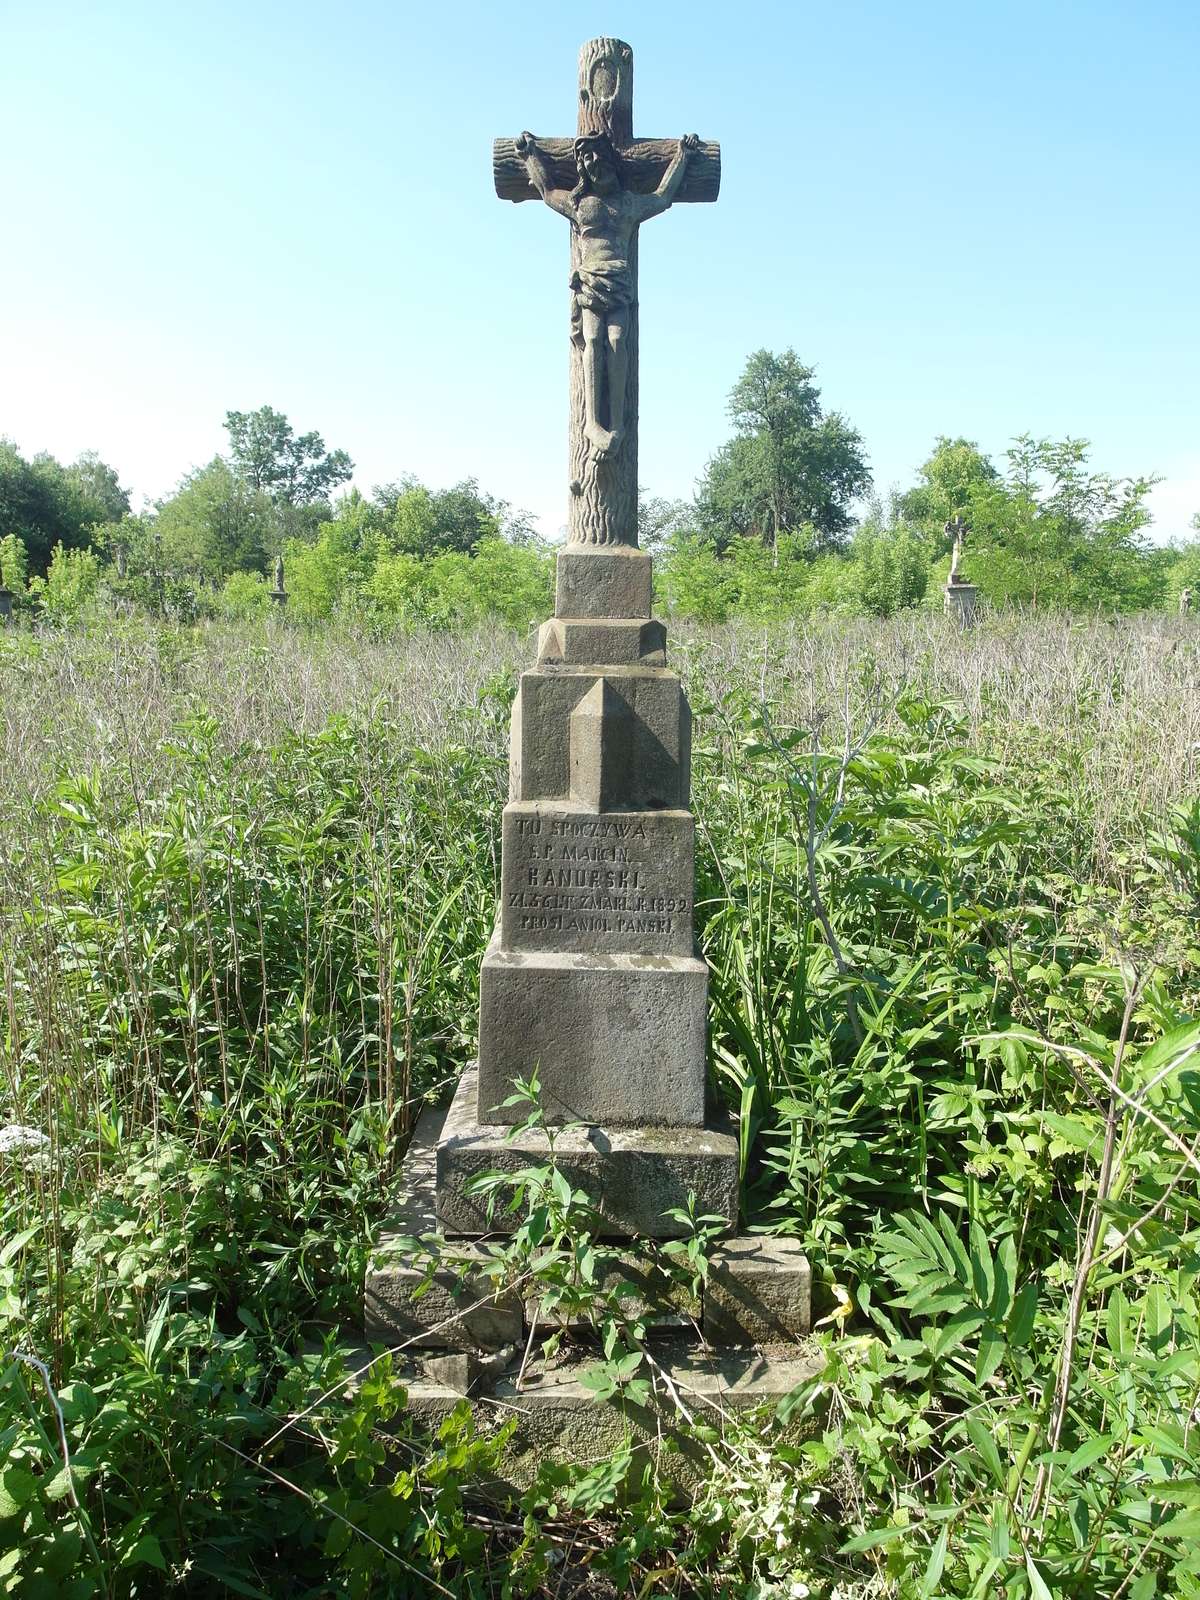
[{"x": 643, "y": 163}]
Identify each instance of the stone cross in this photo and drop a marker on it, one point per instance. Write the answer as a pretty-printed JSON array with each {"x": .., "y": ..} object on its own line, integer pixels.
[
  {"x": 593, "y": 982},
  {"x": 606, "y": 183},
  {"x": 956, "y": 528},
  {"x": 279, "y": 592}
]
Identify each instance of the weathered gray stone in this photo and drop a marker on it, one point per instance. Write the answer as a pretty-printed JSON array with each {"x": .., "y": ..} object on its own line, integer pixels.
[
  {"x": 576, "y": 880},
  {"x": 606, "y": 199},
  {"x": 633, "y": 1175},
  {"x": 759, "y": 1291},
  {"x": 656, "y": 772},
  {"x": 961, "y": 602},
  {"x": 567, "y": 642},
  {"x": 560, "y": 1419},
  {"x": 646, "y": 1291},
  {"x": 451, "y": 1310},
  {"x": 615, "y": 1040},
  {"x": 465, "y": 1371},
  {"x": 602, "y": 584},
  {"x": 601, "y": 740}
]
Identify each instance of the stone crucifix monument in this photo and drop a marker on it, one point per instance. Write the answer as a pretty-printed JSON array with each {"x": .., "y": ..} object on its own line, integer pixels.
[
  {"x": 960, "y": 593},
  {"x": 592, "y": 984}
]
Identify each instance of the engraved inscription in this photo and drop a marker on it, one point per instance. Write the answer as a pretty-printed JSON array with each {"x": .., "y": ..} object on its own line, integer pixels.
[{"x": 607, "y": 882}]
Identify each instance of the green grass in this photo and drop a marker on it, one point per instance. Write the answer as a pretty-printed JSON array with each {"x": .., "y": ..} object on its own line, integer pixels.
[{"x": 948, "y": 886}]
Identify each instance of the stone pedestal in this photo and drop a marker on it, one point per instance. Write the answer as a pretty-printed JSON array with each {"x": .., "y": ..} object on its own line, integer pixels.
[
  {"x": 960, "y": 603},
  {"x": 594, "y": 986},
  {"x": 592, "y": 983}
]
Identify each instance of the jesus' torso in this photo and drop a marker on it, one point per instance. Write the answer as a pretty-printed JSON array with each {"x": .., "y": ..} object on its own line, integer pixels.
[{"x": 604, "y": 225}]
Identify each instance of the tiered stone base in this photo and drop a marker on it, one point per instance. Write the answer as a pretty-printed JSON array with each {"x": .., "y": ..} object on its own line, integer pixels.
[
  {"x": 738, "y": 1345},
  {"x": 758, "y": 1290}
]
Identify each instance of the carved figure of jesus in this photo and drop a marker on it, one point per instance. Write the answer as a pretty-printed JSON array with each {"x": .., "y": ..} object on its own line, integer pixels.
[{"x": 604, "y": 215}]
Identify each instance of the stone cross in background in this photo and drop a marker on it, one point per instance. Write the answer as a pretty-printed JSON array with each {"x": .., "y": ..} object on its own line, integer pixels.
[
  {"x": 279, "y": 592},
  {"x": 606, "y": 183},
  {"x": 960, "y": 593}
]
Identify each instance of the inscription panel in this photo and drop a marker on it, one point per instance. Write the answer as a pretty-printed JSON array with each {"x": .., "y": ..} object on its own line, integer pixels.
[{"x": 617, "y": 881}]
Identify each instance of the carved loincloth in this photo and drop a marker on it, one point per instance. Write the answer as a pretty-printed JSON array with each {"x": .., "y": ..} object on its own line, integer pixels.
[{"x": 602, "y": 290}]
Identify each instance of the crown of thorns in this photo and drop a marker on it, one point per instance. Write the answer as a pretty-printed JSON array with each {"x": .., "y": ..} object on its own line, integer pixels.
[{"x": 599, "y": 142}]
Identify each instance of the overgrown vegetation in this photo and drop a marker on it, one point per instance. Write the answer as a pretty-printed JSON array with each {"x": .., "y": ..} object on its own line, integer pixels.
[
  {"x": 949, "y": 889},
  {"x": 773, "y": 530}
]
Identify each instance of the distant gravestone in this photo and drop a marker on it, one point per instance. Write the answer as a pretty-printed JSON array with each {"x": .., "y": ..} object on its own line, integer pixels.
[
  {"x": 960, "y": 595},
  {"x": 1185, "y": 602},
  {"x": 592, "y": 982},
  {"x": 279, "y": 592},
  {"x": 6, "y": 601}
]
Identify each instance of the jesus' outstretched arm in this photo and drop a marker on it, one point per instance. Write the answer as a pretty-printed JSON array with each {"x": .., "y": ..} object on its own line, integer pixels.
[
  {"x": 650, "y": 205},
  {"x": 526, "y": 147}
]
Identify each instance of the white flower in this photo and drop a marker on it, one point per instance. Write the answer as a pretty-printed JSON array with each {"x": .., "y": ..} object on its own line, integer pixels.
[{"x": 18, "y": 1137}]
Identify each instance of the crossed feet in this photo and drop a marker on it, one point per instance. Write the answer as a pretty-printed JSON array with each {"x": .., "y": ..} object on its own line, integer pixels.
[{"x": 604, "y": 442}]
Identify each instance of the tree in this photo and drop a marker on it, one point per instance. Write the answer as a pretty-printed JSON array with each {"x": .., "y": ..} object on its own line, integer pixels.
[
  {"x": 789, "y": 466},
  {"x": 892, "y": 560},
  {"x": 425, "y": 522},
  {"x": 1057, "y": 535},
  {"x": 291, "y": 469},
  {"x": 952, "y": 475},
  {"x": 14, "y": 563},
  {"x": 95, "y": 490},
  {"x": 215, "y": 523},
  {"x": 46, "y": 504},
  {"x": 663, "y": 523}
]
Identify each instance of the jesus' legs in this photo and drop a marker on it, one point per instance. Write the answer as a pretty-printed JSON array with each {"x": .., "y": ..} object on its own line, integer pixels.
[
  {"x": 594, "y": 343},
  {"x": 618, "y": 363}
]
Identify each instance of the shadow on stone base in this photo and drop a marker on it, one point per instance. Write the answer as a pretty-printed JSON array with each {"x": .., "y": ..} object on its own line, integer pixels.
[{"x": 633, "y": 1175}]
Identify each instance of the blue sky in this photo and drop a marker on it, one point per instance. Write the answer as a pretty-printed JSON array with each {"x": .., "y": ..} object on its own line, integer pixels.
[{"x": 978, "y": 219}]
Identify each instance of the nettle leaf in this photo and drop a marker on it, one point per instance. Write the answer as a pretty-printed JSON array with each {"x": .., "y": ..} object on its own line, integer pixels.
[
  {"x": 1119, "y": 1332},
  {"x": 17, "y": 1488},
  {"x": 1037, "y": 1584},
  {"x": 1006, "y": 1274},
  {"x": 1180, "y": 1047},
  {"x": 983, "y": 1272},
  {"x": 990, "y": 1354},
  {"x": 954, "y": 1331},
  {"x": 1023, "y": 1317},
  {"x": 1072, "y": 1134},
  {"x": 1176, "y": 1491},
  {"x": 985, "y": 1445}
]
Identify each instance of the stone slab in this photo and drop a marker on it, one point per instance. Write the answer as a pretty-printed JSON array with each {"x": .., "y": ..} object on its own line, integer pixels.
[
  {"x": 603, "y": 583},
  {"x": 615, "y": 1040},
  {"x": 559, "y": 1419},
  {"x": 566, "y": 642},
  {"x": 618, "y": 881},
  {"x": 634, "y": 1175},
  {"x": 645, "y": 1291},
  {"x": 759, "y": 1291},
  {"x": 658, "y": 759},
  {"x": 451, "y": 1310}
]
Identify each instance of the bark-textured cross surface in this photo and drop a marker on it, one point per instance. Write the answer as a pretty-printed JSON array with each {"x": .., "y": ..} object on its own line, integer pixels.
[{"x": 606, "y": 183}]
